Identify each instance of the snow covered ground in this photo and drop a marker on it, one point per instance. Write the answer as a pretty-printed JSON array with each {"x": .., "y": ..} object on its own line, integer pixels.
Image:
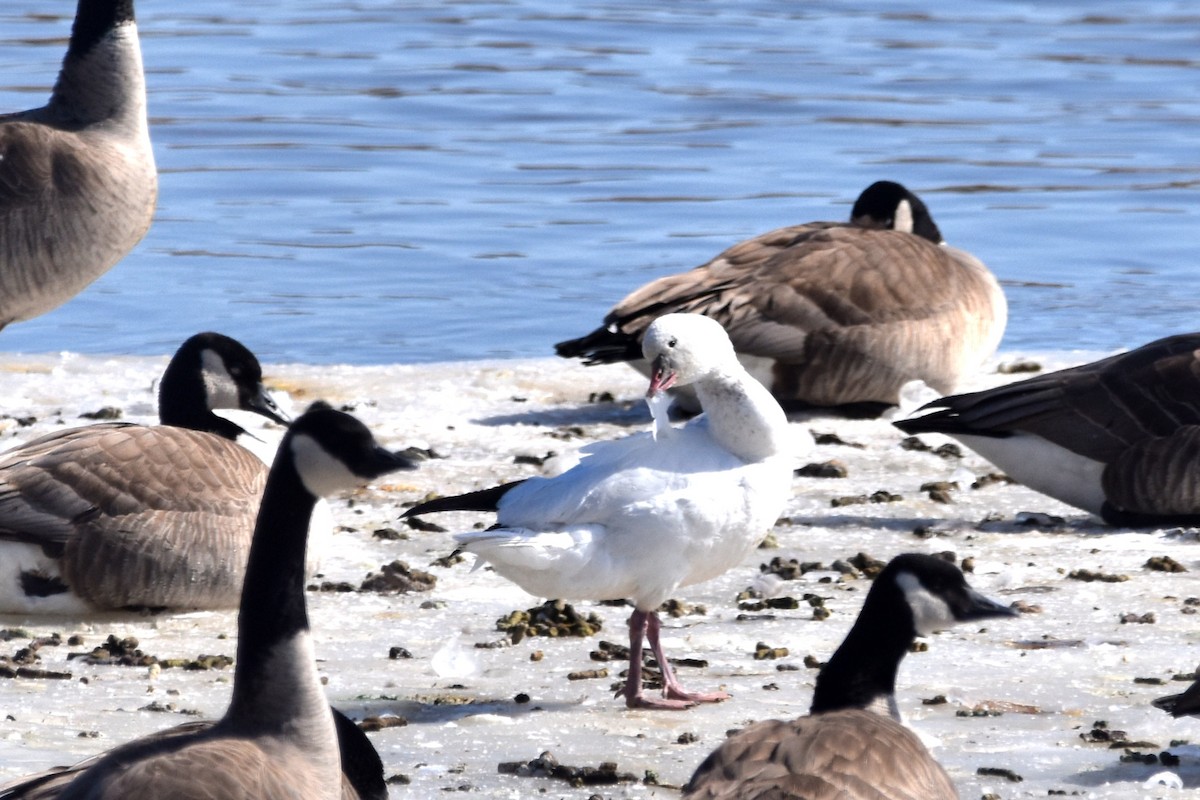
[{"x": 1021, "y": 697}]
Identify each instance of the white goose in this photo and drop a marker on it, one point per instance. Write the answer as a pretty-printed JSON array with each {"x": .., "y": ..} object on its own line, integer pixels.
[
  {"x": 278, "y": 738},
  {"x": 116, "y": 515},
  {"x": 852, "y": 745},
  {"x": 831, "y": 314},
  {"x": 639, "y": 517},
  {"x": 77, "y": 178},
  {"x": 1118, "y": 437}
]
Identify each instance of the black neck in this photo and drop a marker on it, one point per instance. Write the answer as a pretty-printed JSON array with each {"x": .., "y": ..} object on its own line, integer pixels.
[
  {"x": 93, "y": 20},
  {"x": 865, "y": 665},
  {"x": 273, "y": 609}
]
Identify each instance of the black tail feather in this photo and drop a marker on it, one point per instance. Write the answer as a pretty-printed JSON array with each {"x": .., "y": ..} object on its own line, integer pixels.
[
  {"x": 601, "y": 346},
  {"x": 482, "y": 500}
]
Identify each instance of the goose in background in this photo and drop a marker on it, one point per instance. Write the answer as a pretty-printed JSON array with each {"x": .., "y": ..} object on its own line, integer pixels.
[
  {"x": 118, "y": 515},
  {"x": 852, "y": 746},
  {"x": 77, "y": 178},
  {"x": 641, "y": 516},
  {"x": 828, "y": 314},
  {"x": 278, "y": 737},
  {"x": 362, "y": 769},
  {"x": 1118, "y": 438}
]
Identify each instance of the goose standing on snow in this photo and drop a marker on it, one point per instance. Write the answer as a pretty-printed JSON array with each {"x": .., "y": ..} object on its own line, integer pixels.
[
  {"x": 852, "y": 746},
  {"x": 77, "y": 177},
  {"x": 641, "y": 516},
  {"x": 1118, "y": 437},
  {"x": 831, "y": 314},
  {"x": 118, "y": 515},
  {"x": 278, "y": 738}
]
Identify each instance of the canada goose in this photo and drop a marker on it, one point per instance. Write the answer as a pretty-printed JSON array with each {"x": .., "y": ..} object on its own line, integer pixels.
[
  {"x": 362, "y": 769},
  {"x": 852, "y": 746},
  {"x": 641, "y": 516},
  {"x": 77, "y": 177},
  {"x": 831, "y": 314},
  {"x": 1117, "y": 437},
  {"x": 117, "y": 515},
  {"x": 278, "y": 738}
]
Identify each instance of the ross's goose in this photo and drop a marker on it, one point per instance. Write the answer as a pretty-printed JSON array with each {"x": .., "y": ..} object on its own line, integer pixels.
[
  {"x": 1117, "y": 437},
  {"x": 640, "y": 517},
  {"x": 278, "y": 737},
  {"x": 830, "y": 314},
  {"x": 852, "y": 745},
  {"x": 77, "y": 178}
]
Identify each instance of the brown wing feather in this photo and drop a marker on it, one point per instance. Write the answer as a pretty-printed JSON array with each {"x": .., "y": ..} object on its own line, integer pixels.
[
  {"x": 843, "y": 755},
  {"x": 143, "y": 516},
  {"x": 1097, "y": 410},
  {"x": 848, "y": 313}
]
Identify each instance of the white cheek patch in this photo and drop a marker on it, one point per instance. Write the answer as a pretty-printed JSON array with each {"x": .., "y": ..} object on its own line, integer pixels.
[
  {"x": 903, "y": 221},
  {"x": 219, "y": 386},
  {"x": 321, "y": 473},
  {"x": 930, "y": 612}
]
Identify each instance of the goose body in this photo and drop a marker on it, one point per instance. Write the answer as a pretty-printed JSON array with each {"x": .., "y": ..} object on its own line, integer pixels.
[
  {"x": 1116, "y": 437},
  {"x": 278, "y": 738},
  {"x": 831, "y": 314},
  {"x": 117, "y": 515},
  {"x": 78, "y": 183},
  {"x": 639, "y": 517},
  {"x": 362, "y": 769},
  {"x": 852, "y": 746}
]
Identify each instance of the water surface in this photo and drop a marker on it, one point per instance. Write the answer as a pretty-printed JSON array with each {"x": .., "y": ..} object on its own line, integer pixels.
[{"x": 381, "y": 182}]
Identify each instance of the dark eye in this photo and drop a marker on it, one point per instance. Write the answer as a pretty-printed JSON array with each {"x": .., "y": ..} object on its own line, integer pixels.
[{"x": 673, "y": 342}]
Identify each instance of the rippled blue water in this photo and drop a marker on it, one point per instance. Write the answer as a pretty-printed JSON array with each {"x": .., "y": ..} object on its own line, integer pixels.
[{"x": 378, "y": 182}]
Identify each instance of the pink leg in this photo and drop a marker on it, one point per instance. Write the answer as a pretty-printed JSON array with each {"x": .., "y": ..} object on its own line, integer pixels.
[
  {"x": 645, "y": 624},
  {"x": 671, "y": 686}
]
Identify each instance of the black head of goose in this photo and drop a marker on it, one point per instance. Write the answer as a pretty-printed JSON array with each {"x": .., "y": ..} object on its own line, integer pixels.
[
  {"x": 1118, "y": 437},
  {"x": 78, "y": 183},
  {"x": 830, "y": 314},
  {"x": 278, "y": 737},
  {"x": 852, "y": 744},
  {"x": 117, "y": 515}
]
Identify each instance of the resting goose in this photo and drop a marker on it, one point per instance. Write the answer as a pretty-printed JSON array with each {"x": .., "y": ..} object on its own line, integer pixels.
[
  {"x": 639, "y": 517},
  {"x": 77, "y": 177},
  {"x": 362, "y": 769},
  {"x": 278, "y": 738},
  {"x": 117, "y": 515},
  {"x": 831, "y": 314},
  {"x": 1118, "y": 437},
  {"x": 852, "y": 745}
]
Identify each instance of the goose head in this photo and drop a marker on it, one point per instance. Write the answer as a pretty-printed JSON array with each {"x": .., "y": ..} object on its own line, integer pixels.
[
  {"x": 888, "y": 205},
  {"x": 936, "y": 593},
  {"x": 213, "y": 371},
  {"x": 333, "y": 452},
  {"x": 683, "y": 349}
]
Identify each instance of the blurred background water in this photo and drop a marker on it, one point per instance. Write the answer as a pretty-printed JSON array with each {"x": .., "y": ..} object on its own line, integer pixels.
[{"x": 400, "y": 182}]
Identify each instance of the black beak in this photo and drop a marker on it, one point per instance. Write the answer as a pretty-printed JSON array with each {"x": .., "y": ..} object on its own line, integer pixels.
[{"x": 262, "y": 403}]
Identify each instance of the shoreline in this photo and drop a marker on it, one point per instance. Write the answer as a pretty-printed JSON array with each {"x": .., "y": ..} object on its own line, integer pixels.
[{"x": 1030, "y": 687}]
